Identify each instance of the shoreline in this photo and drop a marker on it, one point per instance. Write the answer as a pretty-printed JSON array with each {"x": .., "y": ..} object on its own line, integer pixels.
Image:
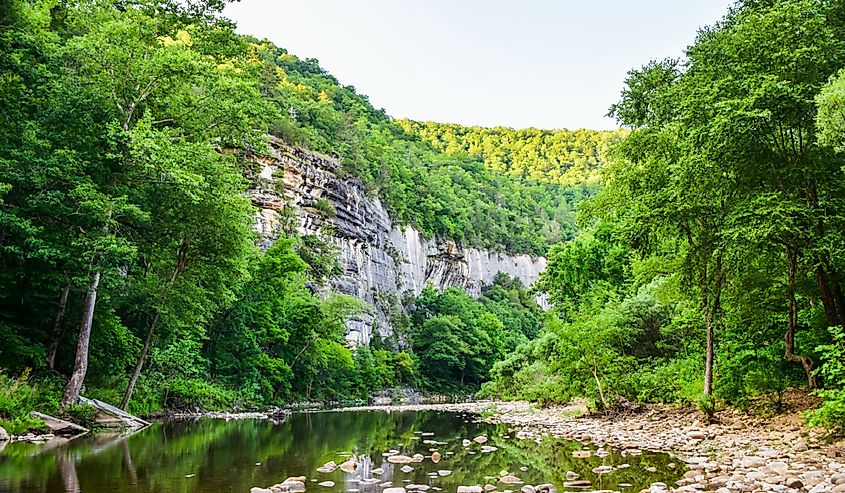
[{"x": 739, "y": 453}]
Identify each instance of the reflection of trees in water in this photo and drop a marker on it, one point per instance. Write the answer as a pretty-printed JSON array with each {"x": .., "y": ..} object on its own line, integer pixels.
[
  {"x": 214, "y": 455},
  {"x": 127, "y": 463},
  {"x": 67, "y": 470}
]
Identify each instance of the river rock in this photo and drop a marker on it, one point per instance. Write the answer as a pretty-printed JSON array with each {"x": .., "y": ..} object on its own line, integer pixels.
[
  {"x": 256, "y": 489},
  {"x": 778, "y": 467},
  {"x": 578, "y": 484},
  {"x": 466, "y": 443},
  {"x": 418, "y": 487},
  {"x": 696, "y": 435},
  {"x": 509, "y": 479},
  {"x": 326, "y": 484},
  {"x": 406, "y": 469},
  {"x": 292, "y": 486},
  {"x": 378, "y": 471},
  {"x": 603, "y": 469},
  {"x": 301, "y": 479},
  {"x": 349, "y": 466},
  {"x": 435, "y": 457},
  {"x": 393, "y": 490},
  {"x": 572, "y": 476},
  {"x": 480, "y": 439},
  {"x": 489, "y": 487},
  {"x": 4, "y": 435},
  {"x": 399, "y": 459},
  {"x": 470, "y": 489},
  {"x": 528, "y": 489},
  {"x": 581, "y": 454},
  {"x": 546, "y": 488},
  {"x": 442, "y": 472},
  {"x": 794, "y": 483},
  {"x": 486, "y": 449},
  {"x": 418, "y": 457},
  {"x": 328, "y": 467}
]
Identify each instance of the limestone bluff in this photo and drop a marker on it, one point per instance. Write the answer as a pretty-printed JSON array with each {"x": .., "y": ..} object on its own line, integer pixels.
[{"x": 380, "y": 260}]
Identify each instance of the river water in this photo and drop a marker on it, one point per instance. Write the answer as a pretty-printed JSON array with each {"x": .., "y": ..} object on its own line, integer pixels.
[{"x": 210, "y": 455}]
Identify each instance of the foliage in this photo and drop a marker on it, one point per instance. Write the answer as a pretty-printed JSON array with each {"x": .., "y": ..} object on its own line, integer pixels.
[
  {"x": 832, "y": 412},
  {"x": 457, "y": 339},
  {"x": 565, "y": 157},
  {"x": 20, "y": 396},
  {"x": 710, "y": 267}
]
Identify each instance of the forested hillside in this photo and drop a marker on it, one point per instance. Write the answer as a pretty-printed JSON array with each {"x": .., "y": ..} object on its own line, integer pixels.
[
  {"x": 711, "y": 265},
  {"x": 128, "y": 264},
  {"x": 565, "y": 157},
  {"x": 459, "y": 195}
]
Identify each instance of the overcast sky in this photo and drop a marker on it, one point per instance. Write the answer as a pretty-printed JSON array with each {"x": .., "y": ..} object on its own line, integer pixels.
[{"x": 521, "y": 63}]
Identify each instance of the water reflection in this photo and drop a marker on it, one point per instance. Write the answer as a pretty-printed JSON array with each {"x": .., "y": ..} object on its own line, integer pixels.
[{"x": 214, "y": 456}]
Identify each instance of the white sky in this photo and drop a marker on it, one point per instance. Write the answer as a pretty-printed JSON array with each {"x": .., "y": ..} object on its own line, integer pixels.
[{"x": 529, "y": 63}]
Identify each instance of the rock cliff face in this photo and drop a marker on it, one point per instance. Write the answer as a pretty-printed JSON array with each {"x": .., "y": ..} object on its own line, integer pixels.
[{"x": 381, "y": 261}]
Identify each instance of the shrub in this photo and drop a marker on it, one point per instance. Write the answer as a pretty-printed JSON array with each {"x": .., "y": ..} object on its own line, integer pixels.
[
  {"x": 707, "y": 405},
  {"x": 191, "y": 393},
  {"x": 81, "y": 414},
  {"x": 831, "y": 414},
  {"x": 20, "y": 396}
]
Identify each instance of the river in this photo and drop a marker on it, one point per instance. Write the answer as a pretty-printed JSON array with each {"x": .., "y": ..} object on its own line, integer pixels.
[{"x": 211, "y": 455}]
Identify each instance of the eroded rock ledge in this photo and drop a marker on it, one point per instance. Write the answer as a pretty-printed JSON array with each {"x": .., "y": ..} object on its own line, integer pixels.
[{"x": 381, "y": 260}]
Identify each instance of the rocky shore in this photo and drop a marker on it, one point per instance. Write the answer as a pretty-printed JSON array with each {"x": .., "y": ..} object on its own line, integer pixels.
[{"x": 737, "y": 453}]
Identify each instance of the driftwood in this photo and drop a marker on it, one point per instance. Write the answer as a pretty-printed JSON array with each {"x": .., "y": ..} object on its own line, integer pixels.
[
  {"x": 59, "y": 426},
  {"x": 109, "y": 416}
]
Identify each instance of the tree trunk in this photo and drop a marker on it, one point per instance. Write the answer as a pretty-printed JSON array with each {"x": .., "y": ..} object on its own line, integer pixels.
[
  {"x": 827, "y": 296},
  {"x": 711, "y": 312},
  {"x": 58, "y": 325},
  {"x": 142, "y": 358},
  {"x": 792, "y": 322},
  {"x": 595, "y": 371},
  {"x": 148, "y": 342},
  {"x": 708, "y": 359},
  {"x": 80, "y": 367}
]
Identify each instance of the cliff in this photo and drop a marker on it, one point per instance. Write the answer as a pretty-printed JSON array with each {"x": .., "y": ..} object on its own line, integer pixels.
[{"x": 381, "y": 261}]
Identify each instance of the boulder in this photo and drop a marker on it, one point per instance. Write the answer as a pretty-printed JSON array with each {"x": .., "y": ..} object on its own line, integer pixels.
[
  {"x": 4, "y": 436},
  {"x": 399, "y": 459}
]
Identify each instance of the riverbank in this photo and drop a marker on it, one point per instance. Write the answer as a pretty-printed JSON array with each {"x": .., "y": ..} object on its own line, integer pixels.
[{"x": 739, "y": 452}]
